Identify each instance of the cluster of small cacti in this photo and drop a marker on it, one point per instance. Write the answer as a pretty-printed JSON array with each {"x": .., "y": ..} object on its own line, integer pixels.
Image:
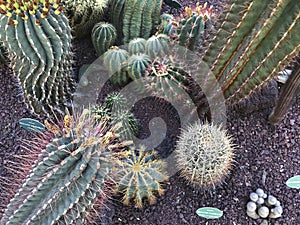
[
  {"x": 204, "y": 155},
  {"x": 37, "y": 37},
  {"x": 104, "y": 35},
  {"x": 138, "y": 18},
  {"x": 84, "y": 14},
  {"x": 262, "y": 205},
  {"x": 140, "y": 176},
  {"x": 265, "y": 40},
  {"x": 187, "y": 30},
  {"x": 71, "y": 173},
  {"x": 114, "y": 111},
  {"x": 123, "y": 65}
]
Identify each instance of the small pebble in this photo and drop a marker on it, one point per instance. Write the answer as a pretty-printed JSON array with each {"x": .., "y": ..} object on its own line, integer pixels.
[
  {"x": 260, "y": 192},
  {"x": 263, "y": 212},
  {"x": 260, "y": 201},
  {"x": 253, "y": 196}
]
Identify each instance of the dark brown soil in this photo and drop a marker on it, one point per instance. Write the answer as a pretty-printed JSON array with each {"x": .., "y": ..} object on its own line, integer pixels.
[{"x": 262, "y": 150}]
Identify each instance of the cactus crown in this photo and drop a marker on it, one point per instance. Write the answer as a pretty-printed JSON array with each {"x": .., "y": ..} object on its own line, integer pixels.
[
  {"x": 140, "y": 176},
  {"x": 13, "y": 8},
  {"x": 204, "y": 154}
]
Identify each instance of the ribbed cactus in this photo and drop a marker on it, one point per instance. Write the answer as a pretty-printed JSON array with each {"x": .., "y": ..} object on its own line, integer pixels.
[
  {"x": 140, "y": 176},
  {"x": 37, "y": 36},
  {"x": 2, "y": 54},
  {"x": 157, "y": 46},
  {"x": 249, "y": 48},
  {"x": 84, "y": 14},
  {"x": 139, "y": 18},
  {"x": 204, "y": 155},
  {"x": 137, "y": 45},
  {"x": 137, "y": 65},
  {"x": 115, "y": 112},
  {"x": 115, "y": 60},
  {"x": 187, "y": 29},
  {"x": 103, "y": 36},
  {"x": 69, "y": 177},
  {"x": 163, "y": 78}
]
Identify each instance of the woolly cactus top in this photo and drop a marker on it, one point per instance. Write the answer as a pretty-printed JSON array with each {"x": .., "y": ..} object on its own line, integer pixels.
[{"x": 22, "y": 8}]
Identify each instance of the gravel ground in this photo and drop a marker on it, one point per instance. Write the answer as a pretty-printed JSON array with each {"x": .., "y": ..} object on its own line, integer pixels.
[{"x": 266, "y": 156}]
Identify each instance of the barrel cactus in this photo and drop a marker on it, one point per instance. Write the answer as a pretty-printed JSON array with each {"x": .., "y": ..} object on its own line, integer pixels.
[
  {"x": 137, "y": 45},
  {"x": 69, "y": 177},
  {"x": 140, "y": 176},
  {"x": 137, "y": 65},
  {"x": 84, "y": 14},
  {"x": 139, "y": 18},
  {"x": 157, "y": 46},
  {"x": 115, "y": 60},
  {"x": 204, "y": 155},
  {"x": 103, "y": 36},
  {"x": 37, "y": 37}
]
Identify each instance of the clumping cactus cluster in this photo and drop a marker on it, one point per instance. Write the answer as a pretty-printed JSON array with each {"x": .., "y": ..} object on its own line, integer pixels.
[{"x": 262, "y": 205}]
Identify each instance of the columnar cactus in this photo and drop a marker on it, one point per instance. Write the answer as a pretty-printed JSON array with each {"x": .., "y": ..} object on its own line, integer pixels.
[
  {"x": 84, "y": 14},
  {"x": 103, "y": 36},
  {"x": 137, "y": 45},
  {"x": 140, "y": 176},
  {"x": 115, "y": 60},
  {"x": 139, "y": 18},
  {"x": 187, "y": 30},
  {"x": 249, "y": 48},
  {"x": 204, "y": 155},
  {"x": 70, "y": 175},
  {"x": 37, "y": 36}
]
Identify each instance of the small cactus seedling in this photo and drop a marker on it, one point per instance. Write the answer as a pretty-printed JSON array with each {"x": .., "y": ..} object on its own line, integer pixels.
[
  {"x": 140, "y": 176},
  {"x": 115, "y": 60},
  {"x": 103, "y": 36},
  {"x": 204, "y": 155},
  {"x": 137, "y": 45}
]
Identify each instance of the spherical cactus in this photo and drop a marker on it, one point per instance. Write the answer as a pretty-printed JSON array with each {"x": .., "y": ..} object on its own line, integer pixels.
[
  {"x": 137, "y": 45},
  {"x": 115, "y": 102},
  {"x": 140, "y": 176},
  {"x": 157, "y": 46},
  {"x": 137, "y": 65},
  {"x": 103, "y": 36},
  {"x": 115, "y": 60},
  {"x": 204, "y": 155}
]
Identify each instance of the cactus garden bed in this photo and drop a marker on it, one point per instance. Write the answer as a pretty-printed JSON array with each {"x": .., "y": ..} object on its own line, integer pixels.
[{"x": 266, "y": 155}]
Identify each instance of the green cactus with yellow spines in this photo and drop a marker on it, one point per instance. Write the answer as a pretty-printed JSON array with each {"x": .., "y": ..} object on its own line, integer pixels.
[
  {"x": 244, "y": 55},
  {"x": 104, "y": 35},
  {"x": 140, "y": 176},
  {"x": 69, "y": 176},
  {"x": 157, "y": 46},
  {"x": 37, "y": 37},
  {"x": 137, "y": 45},
  {"x": 137, "y": 65}
]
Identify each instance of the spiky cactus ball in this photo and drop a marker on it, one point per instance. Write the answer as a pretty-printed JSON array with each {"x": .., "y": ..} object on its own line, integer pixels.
[
  {"x": 204, "y": 155},
  {"x": 137, "y": 45},
  {"x": 157, "y": 46},
  {"x": 137, "y": 65},
  {"x": 103, "y": 36},
  {"x": 140, "y": 176}
]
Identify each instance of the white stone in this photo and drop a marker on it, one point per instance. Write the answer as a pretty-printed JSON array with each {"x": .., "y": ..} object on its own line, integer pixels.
[
  {"x": 251, "y": 206},
  {"x": 260, "y": 192},
  {"x": 263, "y": 212},
  {"x": 253, "y": 197}
]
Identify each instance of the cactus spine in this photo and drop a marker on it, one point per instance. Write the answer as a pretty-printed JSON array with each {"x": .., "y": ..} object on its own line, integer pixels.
[
  {"x": 140, "y": 176},
  {"x": 103, "y": 36},
  {"x": 115, "y": 60},
  {"x": 137, "y": 45},
  {"x": 262, "y": 42},
  {"x": 84, "y": 14},
  {"x": 69, "y": 176},
  {"x": 187, "y": 30},
  {"x": 204, "y": 154},
  {"x": 37, "y": 37},
  {"x": 139, "y": 18}
]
